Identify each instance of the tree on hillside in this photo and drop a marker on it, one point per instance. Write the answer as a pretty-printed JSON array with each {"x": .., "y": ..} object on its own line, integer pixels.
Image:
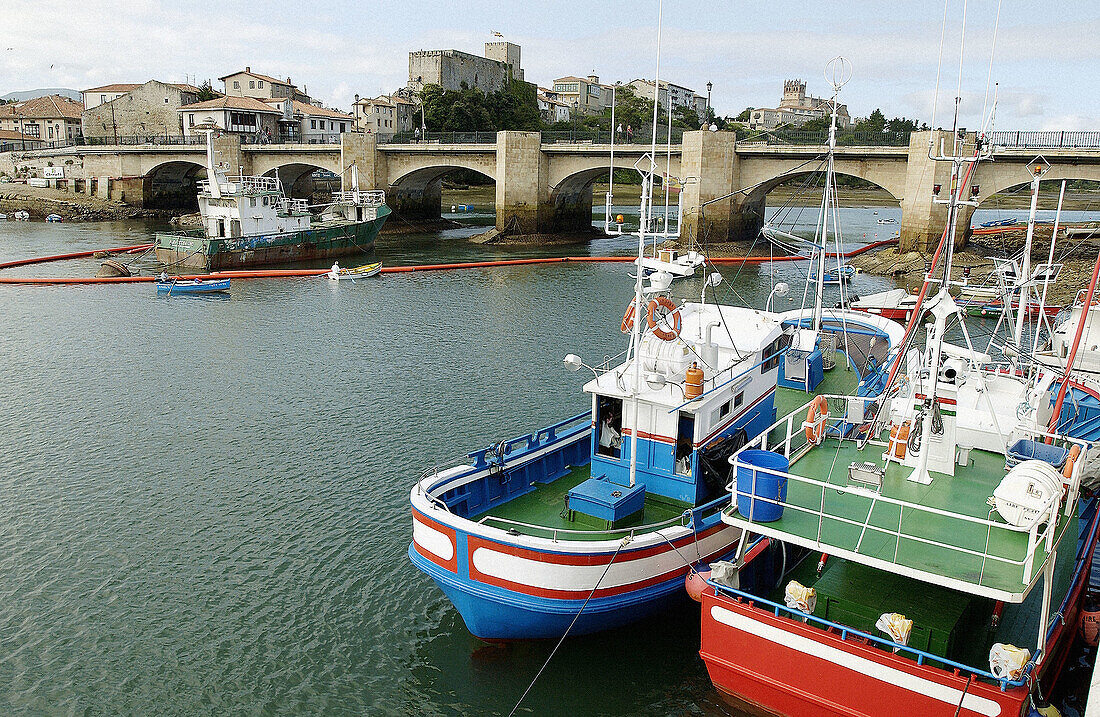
[
  {"x": 901, "y": 124},
  {"x": 875, "y": 123},
  {"x": 470, "y": 109},
  {"x": 206, "y": 92},
  {"x": 745, "y": 116}
]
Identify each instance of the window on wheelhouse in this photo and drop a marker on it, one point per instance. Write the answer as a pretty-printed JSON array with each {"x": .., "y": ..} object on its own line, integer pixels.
[
  {"x": 609, "y": 426},
  {"x": 685, "y": 438},
  {"x": 773, "y": 352}
]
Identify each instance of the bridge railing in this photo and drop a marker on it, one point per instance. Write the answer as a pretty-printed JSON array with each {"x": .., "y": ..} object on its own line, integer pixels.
[
  {"x": 127, "y": 140},
  {"x": 1050, "y": 139},
  {"x": 440, "y": 138},
  {"x": 844, "y": 138}
]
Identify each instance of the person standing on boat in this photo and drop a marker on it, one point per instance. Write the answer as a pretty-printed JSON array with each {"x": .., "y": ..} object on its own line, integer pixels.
[
  {"x": 610, "y": 438},
  {"x": 629, "y": 133},
  {"x": 619, "y": 132},
  {"x": 416, "y": 134}
]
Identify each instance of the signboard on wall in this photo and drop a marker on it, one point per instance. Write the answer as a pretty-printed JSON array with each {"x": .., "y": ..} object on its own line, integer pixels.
[{"x": 53, "y": 172}]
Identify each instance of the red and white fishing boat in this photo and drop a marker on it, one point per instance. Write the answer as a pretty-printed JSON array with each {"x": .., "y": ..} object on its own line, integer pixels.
[{"x": 938, "y": 542}]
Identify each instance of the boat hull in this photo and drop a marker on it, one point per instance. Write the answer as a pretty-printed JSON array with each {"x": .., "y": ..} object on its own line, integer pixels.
[
  {"x": 506, "y": 590},
  {"x": 798, "y": 669},
  {"x": 186, "y": 287},
  {"x": 330, "y": 239}
]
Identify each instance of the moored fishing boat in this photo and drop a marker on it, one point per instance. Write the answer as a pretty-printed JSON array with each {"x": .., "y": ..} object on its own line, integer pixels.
[
  {"x": 593, "y": 522},
  {"x": 249, "y": 221},
  {"x": 954, "y": 541}
]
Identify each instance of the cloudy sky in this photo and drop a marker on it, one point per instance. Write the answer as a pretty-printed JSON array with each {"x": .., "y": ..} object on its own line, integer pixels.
[{"x": 1046, "y": 60}]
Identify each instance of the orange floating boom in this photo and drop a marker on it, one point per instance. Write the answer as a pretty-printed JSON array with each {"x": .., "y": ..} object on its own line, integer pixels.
[{"x": 279, "y": 273}]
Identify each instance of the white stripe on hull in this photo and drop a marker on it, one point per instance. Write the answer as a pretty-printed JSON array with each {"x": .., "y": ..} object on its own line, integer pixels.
[{"x": 433, "y": 541}]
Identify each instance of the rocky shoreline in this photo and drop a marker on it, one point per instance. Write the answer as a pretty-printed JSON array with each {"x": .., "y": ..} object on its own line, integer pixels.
[
  {"x": 495, "y": 237},
  {"x": 41, "y": 202}
]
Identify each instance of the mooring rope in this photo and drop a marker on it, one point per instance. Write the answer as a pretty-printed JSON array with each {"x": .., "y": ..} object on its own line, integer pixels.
[{"x": 622, "y": 544}]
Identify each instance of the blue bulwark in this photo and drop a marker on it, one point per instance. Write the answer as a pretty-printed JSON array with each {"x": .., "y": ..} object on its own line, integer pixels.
[{"x": 609, "y": 504}]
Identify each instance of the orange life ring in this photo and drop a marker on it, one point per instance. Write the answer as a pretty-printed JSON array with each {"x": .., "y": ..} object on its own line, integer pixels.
[
  {"x": 1067, "y": 470},
  {"x": 674, "y": 313},
  {"x": 815, "y": 420},
  {"x": 628, "y": 319}
]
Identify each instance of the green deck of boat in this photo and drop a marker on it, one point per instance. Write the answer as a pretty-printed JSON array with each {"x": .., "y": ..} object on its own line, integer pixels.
[
  {"x": 544, "y": 505},
  {"x": 965, "y": 493}
]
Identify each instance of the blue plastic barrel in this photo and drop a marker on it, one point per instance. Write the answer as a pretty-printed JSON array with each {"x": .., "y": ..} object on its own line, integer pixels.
[{"x": 752, "y": 499}]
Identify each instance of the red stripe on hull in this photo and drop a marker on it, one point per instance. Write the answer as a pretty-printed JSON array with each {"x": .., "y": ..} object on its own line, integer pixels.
[{"x": 474, "y": 542}]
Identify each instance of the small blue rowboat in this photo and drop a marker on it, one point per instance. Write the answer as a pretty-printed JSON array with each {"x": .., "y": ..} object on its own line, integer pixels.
[
  {"x": 833, "y": 276},
  {"x": 192, "y": 286}
]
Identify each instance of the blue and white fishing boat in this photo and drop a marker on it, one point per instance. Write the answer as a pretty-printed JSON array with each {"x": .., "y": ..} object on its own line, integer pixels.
[{"x": 595, "y": 521}]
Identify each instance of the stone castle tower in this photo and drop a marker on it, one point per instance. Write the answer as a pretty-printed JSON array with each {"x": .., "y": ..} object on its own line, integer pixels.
[{"x": 794, "y": 93}]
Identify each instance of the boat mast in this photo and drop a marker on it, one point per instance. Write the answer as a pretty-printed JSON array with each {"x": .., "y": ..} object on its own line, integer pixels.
[
  {"x": 837, "y": 72},
  {"x": 1046, "y": 274},
  {"x": 1022, "y": 281},
  {"x": 644, "y": 208},
  {"x": 212, "y": 182}
]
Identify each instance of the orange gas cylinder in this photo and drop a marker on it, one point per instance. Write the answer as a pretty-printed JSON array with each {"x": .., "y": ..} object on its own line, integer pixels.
[
  {"x": 899, "y": 436},
  {"x": 693, "y": 382}
]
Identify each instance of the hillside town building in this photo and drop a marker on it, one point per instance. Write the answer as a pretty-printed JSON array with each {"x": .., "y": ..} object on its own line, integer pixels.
[
  {"x": 796, "y": 109},
  {"x": 51, "y": 119},
  {"x": 143, "y": 110},
  {"x": 309, "y": 124},
  {"x": 454, "y": 69},
  {"x": 387, "y": 115},
  {"x": 551, "y": 108},
  {"x": 681, "y": 96},
  {"x": 240, "y": 115},
  {"x": 584, "y": 94},
  {"x": 261, "y": 87}
]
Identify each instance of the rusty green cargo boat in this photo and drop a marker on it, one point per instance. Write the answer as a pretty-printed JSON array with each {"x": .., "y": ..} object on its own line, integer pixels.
[{"x": 249, "y": 221}]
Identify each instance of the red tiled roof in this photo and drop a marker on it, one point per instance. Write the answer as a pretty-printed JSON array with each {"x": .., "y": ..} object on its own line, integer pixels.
[
  {"x": 7, "y": 134},
  {"x": 249, "y": 104},
  {"x": 48, "y": 107},
  {"x": 117, "y": 87}
]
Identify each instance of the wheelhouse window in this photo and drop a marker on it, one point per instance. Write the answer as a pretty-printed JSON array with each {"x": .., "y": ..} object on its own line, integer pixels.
[
  {"x": 609, "y": 426},
  {"x": 773, "y": 352}
]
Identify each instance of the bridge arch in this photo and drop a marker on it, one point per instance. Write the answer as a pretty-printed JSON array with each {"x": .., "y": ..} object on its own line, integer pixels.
[
  {"x": 418, "y": 193},
  {"x": 571, "y": 191},
  {"x": 1001, "y": 183},
  {"x": 754, "y": 202},
  {"x": 172, "y": 185}
]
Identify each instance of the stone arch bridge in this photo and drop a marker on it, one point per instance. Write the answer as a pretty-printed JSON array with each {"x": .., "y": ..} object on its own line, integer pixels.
[{"x": 548, "y": 187}]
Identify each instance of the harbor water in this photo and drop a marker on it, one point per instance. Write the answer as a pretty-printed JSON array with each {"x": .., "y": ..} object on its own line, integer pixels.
[{"x": 204, "y": 501}]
